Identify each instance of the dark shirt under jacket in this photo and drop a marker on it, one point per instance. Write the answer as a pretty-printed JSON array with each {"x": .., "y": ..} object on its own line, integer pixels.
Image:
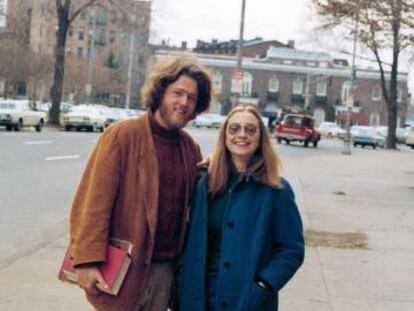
[{"x": 171, "y": 192}]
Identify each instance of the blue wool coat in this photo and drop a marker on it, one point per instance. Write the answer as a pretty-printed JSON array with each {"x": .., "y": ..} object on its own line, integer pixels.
[{"x": 262, "y": 237}]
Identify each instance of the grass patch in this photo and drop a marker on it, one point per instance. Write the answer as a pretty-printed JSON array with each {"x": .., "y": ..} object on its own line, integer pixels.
[
  {"x": 339, "y": 192},
  {"x": 350, "y": 240}
]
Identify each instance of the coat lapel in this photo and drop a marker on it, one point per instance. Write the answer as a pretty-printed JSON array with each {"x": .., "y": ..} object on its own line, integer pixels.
[{"x": 149, "y": 176}]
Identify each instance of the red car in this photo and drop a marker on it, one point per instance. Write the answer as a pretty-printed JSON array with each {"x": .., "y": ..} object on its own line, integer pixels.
[{"x": 297, "y": 127}]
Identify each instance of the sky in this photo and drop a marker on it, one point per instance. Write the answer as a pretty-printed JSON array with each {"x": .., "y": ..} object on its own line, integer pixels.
[{"x": 188, "y": 20}]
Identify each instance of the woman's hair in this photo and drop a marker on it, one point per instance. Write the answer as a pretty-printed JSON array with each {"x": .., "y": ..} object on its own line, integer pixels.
[
  {"x": 265, "y": 163},
  {"x": 167, "y": 71}
]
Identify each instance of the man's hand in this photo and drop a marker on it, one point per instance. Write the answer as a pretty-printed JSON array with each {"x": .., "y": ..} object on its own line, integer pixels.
[{"x": 91, "y": 280}]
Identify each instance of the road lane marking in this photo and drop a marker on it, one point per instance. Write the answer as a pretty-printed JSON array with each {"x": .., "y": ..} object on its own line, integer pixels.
[
  {"x": 57, "y": 158},
  {"x": 39, "y": 142}
]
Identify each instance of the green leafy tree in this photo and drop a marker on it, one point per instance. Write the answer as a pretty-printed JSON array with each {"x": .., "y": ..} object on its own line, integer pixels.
[{"x": 384, "y": 25}]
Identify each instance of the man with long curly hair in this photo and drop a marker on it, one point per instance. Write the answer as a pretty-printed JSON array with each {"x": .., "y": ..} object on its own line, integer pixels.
[{"x": 136, "y": 187}]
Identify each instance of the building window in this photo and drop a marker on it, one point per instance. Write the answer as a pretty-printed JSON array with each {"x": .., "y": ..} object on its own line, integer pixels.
[
  {"x": 101, "y": 37},
  {"x": 323, "y": 64},
  {"x": 287, "y": 62},
  {"x": 376, "y": 93},
  {"x": 374, "y": 119},
  {"x": 41, "y": 30},
  {"x": 273, "y": 84},
  {"x": 217, "y": 80},
  {"x": 399, "y": 94},
  {"x": 82, "y": 14},
  {"x": 311, "y": 64},
  {"x": 114, "y": 17},
  {"x": 297, "y": 86},
  {"x": 112, "y": 36},
  {"x": 81, "y": 34},
  {"x": 102, "y": 16},
  {"x": 80, "y": 51},
  {"x": 321, "y": 87},
  {"x": 70, "y": 32}
]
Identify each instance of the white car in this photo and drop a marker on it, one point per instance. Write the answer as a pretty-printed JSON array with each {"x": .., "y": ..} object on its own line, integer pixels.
[
  {"x": 400, "y": 133},
  {"x": 85, "y": 117},
  {"x": 208, "y": 120},
  {"x": 331, "y": 129},
  {"x": 15, "y": 114},
  {"x": 409, "y": 141}
]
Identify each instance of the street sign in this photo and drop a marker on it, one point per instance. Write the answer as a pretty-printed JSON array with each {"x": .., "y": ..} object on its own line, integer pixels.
[
  {"x": 350, "y": 100},
  {"x": 237, "y": 81}
]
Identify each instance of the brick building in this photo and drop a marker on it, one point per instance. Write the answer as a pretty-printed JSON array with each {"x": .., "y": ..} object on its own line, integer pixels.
[
  {"x": 302, "y": 81},
  {"x": 112, "y": 34}
]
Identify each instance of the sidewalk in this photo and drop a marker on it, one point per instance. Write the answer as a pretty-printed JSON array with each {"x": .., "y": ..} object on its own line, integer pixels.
[{"x": 370, "y": 192}]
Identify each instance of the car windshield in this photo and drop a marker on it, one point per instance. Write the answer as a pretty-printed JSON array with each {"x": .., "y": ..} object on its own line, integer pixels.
[{"x": 7, "y": 106}]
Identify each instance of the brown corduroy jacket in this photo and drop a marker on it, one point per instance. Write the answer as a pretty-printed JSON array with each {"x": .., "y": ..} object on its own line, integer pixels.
[{"x": 118, "y": 197}]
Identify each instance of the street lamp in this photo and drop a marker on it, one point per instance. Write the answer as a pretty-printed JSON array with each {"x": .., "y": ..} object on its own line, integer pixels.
[
  {"x": 88, "y": 85},
  {"x": 351, "y": 94}
]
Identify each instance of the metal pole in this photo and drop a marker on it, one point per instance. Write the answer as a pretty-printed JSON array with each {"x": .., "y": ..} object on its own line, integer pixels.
[
  {"x": 347, "y": 140},
  {"x": 239, "y": 49},
  {"x": 240, "y": 45},
  {"x": 91, "y": 55},
  {"x": 130, "y": 63}
]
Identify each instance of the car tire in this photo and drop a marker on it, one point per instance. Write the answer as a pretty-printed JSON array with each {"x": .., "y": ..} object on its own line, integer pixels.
[
  {"x": 279, "y": 140},
  {"x": 68, "y": 128},
  {"x": 355, "y": 144},
  {"x": 38, "y": 126},
  {"x": 18, "y": 126},
  {"x": 287, "y": 141},
  {"x": 329, "y": 135},
  {"x": 374, "y": 146},
  {"x": 315, "y": 144},
  {"x": 306, "y": 143},
  {"x": 9, "y": 128}
]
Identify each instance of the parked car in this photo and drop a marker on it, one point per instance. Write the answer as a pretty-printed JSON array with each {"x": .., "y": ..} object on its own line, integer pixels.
[
  {"x": 297, "y": 127},
  {"x": 209, "y": 120},
  {"x": 400, "y": 133},
  {"x": 366, "y": 136},
  {"x": 15, "y": 114},
  {"x": 331, "y": 129},
  {"x": 85, "y": 117},
  {"x": 410, "y": 137}
]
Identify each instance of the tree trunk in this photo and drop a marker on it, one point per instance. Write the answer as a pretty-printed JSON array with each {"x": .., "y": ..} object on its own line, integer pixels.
[
  {"x": 59, "y": 72},
  {"x": 392, "y": 106}
]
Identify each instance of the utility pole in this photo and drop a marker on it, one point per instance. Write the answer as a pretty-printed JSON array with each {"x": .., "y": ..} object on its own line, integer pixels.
[
  {"x": 130, "y": 62},
  {"x": 91, "y": 55},
  {"x": 351, "y": 94},
  {"x": 240, "y": 45},
  {"x": 239, "y": 67}
]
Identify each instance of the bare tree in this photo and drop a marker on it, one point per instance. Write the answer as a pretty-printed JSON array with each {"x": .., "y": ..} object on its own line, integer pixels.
[
  {"x": 67, "y": 12},
  {"x": 383, "y": 25}
]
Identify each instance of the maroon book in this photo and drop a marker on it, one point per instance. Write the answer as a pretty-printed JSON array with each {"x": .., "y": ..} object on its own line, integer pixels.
[{"x": 113, "y": 270}]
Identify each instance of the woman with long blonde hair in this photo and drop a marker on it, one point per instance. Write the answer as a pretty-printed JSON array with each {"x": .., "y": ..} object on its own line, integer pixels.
[{"x": 245, "y": 238}]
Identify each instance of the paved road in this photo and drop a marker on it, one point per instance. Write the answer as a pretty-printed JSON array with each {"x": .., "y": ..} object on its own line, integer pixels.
[{"x": 39, "y": 174}]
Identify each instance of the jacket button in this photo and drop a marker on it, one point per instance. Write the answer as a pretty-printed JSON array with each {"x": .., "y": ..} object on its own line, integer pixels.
[
  {"x": 230, "y": 224},
  {"x": 227, "y": 265},
  {"x": 224, "y": 305}
]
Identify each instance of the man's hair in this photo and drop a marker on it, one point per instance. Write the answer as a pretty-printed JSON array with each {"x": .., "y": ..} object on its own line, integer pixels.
[
  {"x": 265, "y": 163},
  {"x": 167, "y": 71}
]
